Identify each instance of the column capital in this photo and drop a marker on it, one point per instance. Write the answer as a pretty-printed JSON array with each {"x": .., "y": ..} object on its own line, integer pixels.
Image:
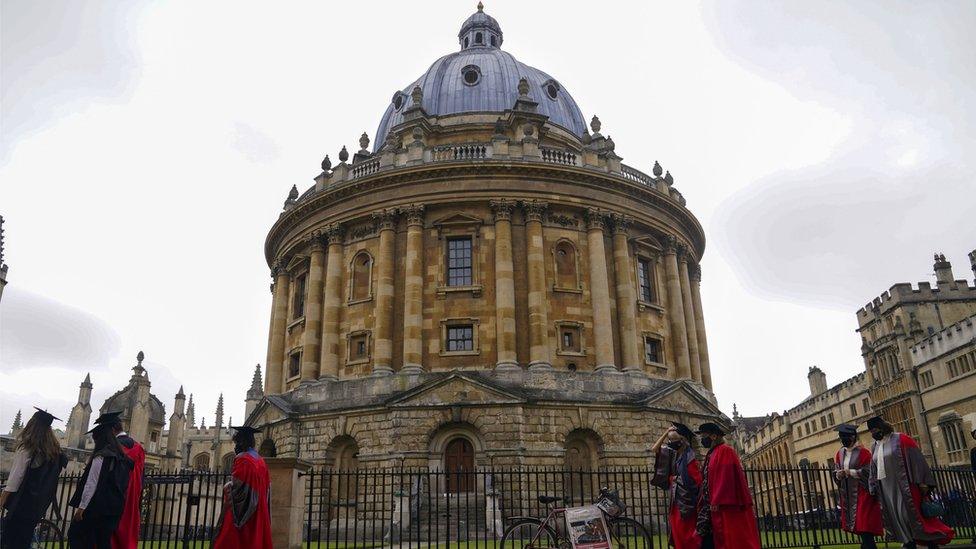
[
  {"x": 280, "y": 267},
  {"x": 671, "y": 244},
  {"x": 414, "y": 214},
  {"x": 502, "y": 209},
  {"x": 534, "y": 209},
  {"x": 334, "y": 233},
  {"x": 385, "y": 219},
  {"x": 596, "y": 219},
  {"x": 314, "y": 240},
  {"x": 694, "y": 271},
  {"x": 621, "y": 223}
]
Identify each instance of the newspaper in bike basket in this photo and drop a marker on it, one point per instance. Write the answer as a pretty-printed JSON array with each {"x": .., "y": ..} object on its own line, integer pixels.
[{"x": 586, "y": 527}]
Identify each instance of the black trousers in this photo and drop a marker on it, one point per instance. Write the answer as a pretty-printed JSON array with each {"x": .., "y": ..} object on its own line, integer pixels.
[
  {"x": 867, "y": 541},
  {"x": 92, "y": 532},
  {"x": 17, "y": 533}
]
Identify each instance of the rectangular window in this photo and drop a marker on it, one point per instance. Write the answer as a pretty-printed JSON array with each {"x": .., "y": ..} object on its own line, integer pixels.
[
  {"x": 460, "y": 338},
  {"x": 569, "y": 339},
  {"x": 865, "y": 405},
  {"x": 299, "y": 303},
  {"x": 927, "y": 380},
  {"x": 294, "y": 365},
  {"x": 964, "y": 366},
  {"x": 823, "y": 422},
  {"x": 358, "y": 347},
  {"x": 644, "y": 281},
  {"x": 830, "y": 419},
  {"x": 808, "y": 427},
  {"x": 951, "y": 369},
  {"x": 853, "y": 409},
  {"x": 459, "y": 266},
  {"x": 652, "y": 350}
]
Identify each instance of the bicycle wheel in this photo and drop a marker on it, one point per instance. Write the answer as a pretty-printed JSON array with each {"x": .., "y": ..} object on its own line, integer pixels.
[
  {"x": 529, "y": 534},
  {"x": 627, "y": 533},
  {"x": 47, "y": 535}
]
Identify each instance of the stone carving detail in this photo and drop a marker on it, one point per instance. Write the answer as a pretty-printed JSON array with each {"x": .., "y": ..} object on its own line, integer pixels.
[
  {"x": 534, "y": 209},
  {"x": 417, "y": 95},
  {"x": 670, "y": 244},
  {"x": 314, "y": 239},
  {"x": 363, "y": 231},
  {"x": 694, "y": 271},
  {"x": 502, "y": 209},
  {"x": 658, "y": 170},
  {"x": 385, "y": 219},
  {"x": 595, "y": 219},
  {"x": 343, "y": 154},
  {"x": 364, "y": 143},
  {"x": 563, "y": 220},
  {"x": 621, "y": 223},
  {"x": 414, "y": 214},
  {"x": 523, "y": 87},
  {"x": 326, "y": 164},
  {"x": 668, "y": 179},
  {"x": 334, "y": 233},
  {"x": 595, "y": 124}
]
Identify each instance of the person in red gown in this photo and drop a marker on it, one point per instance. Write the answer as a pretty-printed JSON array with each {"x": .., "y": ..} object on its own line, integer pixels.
[
  {"x": 860, "y": 512},
  {"x": 725, "y": 515},
  {"x": 245, "y": 521},
  {"x": 126, "y": 535},
  {"x": 676, "y": 470}
]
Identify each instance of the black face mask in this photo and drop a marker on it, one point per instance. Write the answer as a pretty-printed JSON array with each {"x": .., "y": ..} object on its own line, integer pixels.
[
  {"x": 877, "y": 435},
  {"x": 706, "y": 442},
  {"x": 847, "y": 441},
  {"x": 674, "y": 444}
]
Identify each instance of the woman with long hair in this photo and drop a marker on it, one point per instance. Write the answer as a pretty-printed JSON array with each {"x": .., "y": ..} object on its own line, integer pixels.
[
  {"x": 99, "y": 497},
  {"x": 676, "y": 470},
  {"x": 33, "y": 480}
]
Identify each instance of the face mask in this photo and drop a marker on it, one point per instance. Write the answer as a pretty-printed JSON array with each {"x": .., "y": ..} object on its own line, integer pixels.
[
  {"x": 847, "y": 441},
  {"x": 706, "y": 442},
  {"x": 674, "y": 444},
  {"x": 877, "y": 435}
]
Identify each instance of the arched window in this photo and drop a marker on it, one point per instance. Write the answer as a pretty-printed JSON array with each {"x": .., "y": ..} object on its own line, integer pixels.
[
  {"x": 361, "y": 277},
  {"x": 201, "y": 462},
  {"x": 494, "y": 41},
  {"x": 479, "y": 38},
  {"x": 227, "y": 462},
  {"x": 566, "y": 266},
  {"x": 343, "y": 455},
  {"x": 268, "y": 448}
]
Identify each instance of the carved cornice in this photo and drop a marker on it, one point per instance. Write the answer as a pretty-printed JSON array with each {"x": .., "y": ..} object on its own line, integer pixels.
[
  {"x": 385, "y": 219},
  {"x": 414, "y": 214},
  {"x": 621, "y": 223},
  {"x": 334, "y": 233},
  {"x": 534, "y": 209},
  {"x": 667, "y": 213},
  {"x": 502, "y": 209},
  {"x": 596, "y": 219}
]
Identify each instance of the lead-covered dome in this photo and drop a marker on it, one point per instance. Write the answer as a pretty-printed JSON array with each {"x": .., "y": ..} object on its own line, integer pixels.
[{"x": 482, "y": 78}]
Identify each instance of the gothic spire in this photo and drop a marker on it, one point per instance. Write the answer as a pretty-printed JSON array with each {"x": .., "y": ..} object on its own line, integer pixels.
[
  {"x": 256, "y": 382},
  {"x": 220, "y": 411},
  {"x": 190, "y": 419}
]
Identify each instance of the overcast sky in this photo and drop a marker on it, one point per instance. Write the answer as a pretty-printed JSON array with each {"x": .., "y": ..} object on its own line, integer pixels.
[{"x": 827, "y": 148}]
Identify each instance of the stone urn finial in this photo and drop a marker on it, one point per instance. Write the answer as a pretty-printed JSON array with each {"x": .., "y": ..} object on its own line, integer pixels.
[
  {"x": 523, "y": 87},
  {"x": 658, "y": 170},
  {"x": 326, "y": 164},
  {"x": 595, "y": 124},
  {"x": 140, "y": 357},
  {"x": 417, "y": 95},
  {"x": 481, "y": 7},
  {"x": 363, "y": 141},
  {"x": 293, "y": 193},
  {"x": 343, "y": 154},
  {"x": 668, "y": 178}
]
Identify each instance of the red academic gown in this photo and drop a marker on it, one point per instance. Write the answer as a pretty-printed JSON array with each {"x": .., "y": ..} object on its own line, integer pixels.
[
  {"x": 683, "y": 534},
  {"x": 733, "y": 522},
  {"x": 931, "y": 525},
  {"x": 867, "y": 516},
  {"x": 249, "y": 493},
  {"x": 126, "y": 536}
]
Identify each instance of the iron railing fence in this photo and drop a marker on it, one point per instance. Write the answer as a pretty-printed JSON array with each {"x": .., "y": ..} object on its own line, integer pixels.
[{"x": 795, "y": 507}]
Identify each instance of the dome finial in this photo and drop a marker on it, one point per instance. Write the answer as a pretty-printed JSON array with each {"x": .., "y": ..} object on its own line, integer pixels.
[
  {"x": 363, "y": 142},
  {"x": 595, "y": 124},
  {"x": 523, "y": 86},
  {"x": 326, "y": 164},
  {"x": 658, "y": 170},
  {"x": 343, "y": 154},
  {"x": 481, "y": 7}
]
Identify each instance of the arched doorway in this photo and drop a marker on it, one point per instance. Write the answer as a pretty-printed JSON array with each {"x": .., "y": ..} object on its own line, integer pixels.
[
  {"x": 581, "y": 464},
  {"x": 459, "y": 465}
]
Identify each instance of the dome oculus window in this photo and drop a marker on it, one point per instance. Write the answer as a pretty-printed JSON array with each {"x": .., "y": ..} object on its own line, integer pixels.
[
  {"x": 551, "y": 87},
  {"x": 471, "y": 75},
  {"x": 397, "y": 101}
]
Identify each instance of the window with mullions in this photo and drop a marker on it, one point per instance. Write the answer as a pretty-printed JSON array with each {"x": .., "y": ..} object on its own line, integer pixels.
[
  {"x": 460, "y": 338},
  {"x": 644, "y": 281},
  {"x": 459, "y": 267},
  {"x": 298, "y": 308}
]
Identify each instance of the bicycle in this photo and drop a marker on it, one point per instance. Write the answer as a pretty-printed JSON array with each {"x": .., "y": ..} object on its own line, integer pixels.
[
  {"x": 47, "y": 535},
  {"x": 550, "y": 532}
]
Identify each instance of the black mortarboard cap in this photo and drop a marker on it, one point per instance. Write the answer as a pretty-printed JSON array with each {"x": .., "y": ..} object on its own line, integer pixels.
[
  {"x": 245, "y": 429},
  {"x": 100, "y": 427},
  {"x": 683, "y": 430},
  {"x": 876, "y": 422},
  {"x": 847, "y": 429},
  {"x": 711, "y": 428},
  {"x": 45, "y": 417},
  {"x": 109, "y": 418}
]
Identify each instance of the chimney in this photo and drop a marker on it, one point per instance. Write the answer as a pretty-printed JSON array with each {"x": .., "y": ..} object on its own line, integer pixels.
[
  {"x": 943, "y": 270},
  {"x": 818, "y": 381}
]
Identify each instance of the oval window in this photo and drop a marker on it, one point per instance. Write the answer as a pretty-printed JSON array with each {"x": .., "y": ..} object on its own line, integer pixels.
[
  {"x": 397, "y": 101},
  {"x": 552, "y": 90},
  {"x": 471, "y": 75}
]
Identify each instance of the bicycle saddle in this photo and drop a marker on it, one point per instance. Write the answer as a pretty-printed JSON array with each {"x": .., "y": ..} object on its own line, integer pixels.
[{"x": 549, "y": 499}]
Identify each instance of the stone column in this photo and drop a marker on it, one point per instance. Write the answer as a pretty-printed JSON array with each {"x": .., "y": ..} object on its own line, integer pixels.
[
  {"x": 331, "y": 304},
  {"x": 312, "y": 337},
  {"x": 383, "y": 308},
  {"x": 274, "y": 365},
  {"x": 690, "y": 328},
  {"x": 537, "y": 299},
  {"x": 504, "y": 286},
  {"x": 706, "y": 370},
  {"x": 676, "y": 312},
  {"x": 413, "y": 292},
  {"x": 599, "y": 291},
  {"x": 287, "y": 501},
  {"x": 626, "y": 298}
]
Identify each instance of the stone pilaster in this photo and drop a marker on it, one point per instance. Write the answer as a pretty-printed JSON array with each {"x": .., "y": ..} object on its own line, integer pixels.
[
  {"x": 504, "y": 286},
  {"x": 331, "y": 304},
  {"x": 413, "y": 294},
  {"x": 676, "y": 311},
  {"x": 706, "y": 370},
  {"x": 383, "y": 309},
  {"x": 537, "y": 299},
  {"x": 689, "y": 309},
  {"x": 274, "y": 366},
  {"x": 312, "y": 337},
  {"x": 599, "y": 291},
  {"x": 626, "y": 298}
]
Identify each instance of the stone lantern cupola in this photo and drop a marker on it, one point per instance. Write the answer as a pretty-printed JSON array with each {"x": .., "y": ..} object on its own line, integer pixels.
[{"x": 480, "y": 31}]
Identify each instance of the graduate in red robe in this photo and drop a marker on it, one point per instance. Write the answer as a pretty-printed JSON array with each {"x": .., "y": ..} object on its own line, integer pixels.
[
  {"x": 676, "y": 470},
  {"x": 725, "y": 514},
  {"x": 126, "y": 536},
  {"x": 245, "y": 521},
  {"x": 860, "y": 512}
]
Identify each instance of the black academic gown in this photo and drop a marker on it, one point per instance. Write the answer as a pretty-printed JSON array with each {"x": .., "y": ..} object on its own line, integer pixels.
[
  {"x": 104, "y": 510},
  {"x": 27, "y": 506}
]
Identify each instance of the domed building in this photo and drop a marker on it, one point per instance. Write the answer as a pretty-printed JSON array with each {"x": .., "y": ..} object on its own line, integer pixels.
[{"x": 488, "y": 285}]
